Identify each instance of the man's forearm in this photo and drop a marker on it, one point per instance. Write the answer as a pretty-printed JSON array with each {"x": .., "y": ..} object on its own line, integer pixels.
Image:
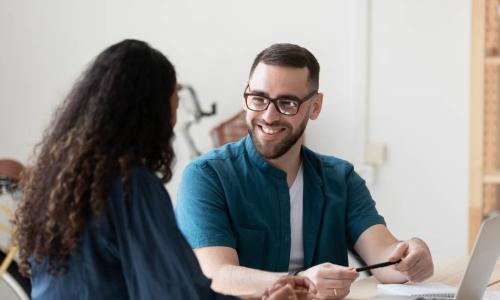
[{"x": 237, "y": 280}]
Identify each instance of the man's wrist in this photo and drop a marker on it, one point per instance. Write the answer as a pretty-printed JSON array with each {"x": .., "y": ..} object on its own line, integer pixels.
[{"x": 295, "y": 272}]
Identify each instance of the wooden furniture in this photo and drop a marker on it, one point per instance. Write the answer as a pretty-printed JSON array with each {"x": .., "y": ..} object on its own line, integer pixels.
[
  {"x": 10, "y": 173},
  {"x": 11, "y": 169},
  {"x": 447, "y": 270},
  {"x": 484, "y": 165},
  {"x": 229, "y": 131}
]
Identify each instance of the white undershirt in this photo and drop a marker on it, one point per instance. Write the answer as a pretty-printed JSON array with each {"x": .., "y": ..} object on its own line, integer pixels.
[{"x": 296, "y": 205}]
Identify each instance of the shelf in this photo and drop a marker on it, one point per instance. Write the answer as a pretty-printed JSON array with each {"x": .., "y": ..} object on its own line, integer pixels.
[
  {"x": 484, "y": 192},
  {"x": 493, "y": 60},
  {"x": 492, "y": 177}
]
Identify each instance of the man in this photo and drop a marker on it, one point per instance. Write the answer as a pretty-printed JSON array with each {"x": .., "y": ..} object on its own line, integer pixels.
[{"x": 267, "y": 205}]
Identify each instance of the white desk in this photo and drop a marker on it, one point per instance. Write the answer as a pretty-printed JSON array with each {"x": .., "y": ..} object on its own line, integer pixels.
[{"x": 448, "y": 270}]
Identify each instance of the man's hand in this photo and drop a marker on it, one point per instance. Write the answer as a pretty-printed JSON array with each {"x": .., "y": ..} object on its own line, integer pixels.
[
  {"x": 416, "y": 261},
  {"x": 332, "y": 281}
]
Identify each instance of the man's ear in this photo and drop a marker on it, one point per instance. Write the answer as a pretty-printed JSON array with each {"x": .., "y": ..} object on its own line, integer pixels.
[
  {"x": 316, "y": 105},
  {"x": 243, "y": 98}
]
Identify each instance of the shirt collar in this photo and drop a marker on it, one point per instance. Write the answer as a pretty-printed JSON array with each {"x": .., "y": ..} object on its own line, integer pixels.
[
  {"x": 263, "y": 165},
  {"x": 312, "y": 166},
  {"x": 307, "y": 156}
]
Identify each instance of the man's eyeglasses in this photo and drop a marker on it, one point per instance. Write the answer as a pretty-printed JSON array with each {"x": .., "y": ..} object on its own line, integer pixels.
[{"x": 287, "y": 105}]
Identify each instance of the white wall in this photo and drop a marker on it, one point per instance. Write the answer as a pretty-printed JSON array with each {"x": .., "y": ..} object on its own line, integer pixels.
[
  {"x": 212, "y": 44},
  {"x": 420, "y": 108},
  {"x": 419, "y": 81}
]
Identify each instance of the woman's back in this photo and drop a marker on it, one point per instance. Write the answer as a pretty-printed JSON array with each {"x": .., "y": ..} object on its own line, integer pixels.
[{"x": 133, "y": 250}]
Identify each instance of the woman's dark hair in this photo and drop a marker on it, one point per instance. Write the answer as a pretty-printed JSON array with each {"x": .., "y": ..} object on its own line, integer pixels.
[{"x": 117, "y": 116}]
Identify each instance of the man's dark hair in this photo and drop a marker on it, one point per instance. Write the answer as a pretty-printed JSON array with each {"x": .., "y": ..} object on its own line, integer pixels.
[{"x": 289, "y": 55}]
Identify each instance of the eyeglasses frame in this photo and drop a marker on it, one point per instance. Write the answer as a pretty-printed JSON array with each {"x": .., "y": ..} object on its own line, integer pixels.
[{"x": 275, "y": 100}]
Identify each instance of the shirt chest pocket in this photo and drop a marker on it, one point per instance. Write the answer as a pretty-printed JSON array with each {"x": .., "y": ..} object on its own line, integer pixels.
[{"x": 251, "y": 247}]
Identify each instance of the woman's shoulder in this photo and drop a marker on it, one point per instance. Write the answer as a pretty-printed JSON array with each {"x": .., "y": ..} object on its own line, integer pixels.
[
  {"x": 138, "y": 176},
  {"x": 143, "y": 173},
  {"x": 141, "y": 195},
  {"x": 140, "y": 181}
]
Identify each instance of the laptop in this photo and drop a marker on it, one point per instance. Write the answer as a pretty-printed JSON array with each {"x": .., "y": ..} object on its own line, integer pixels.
[{"x": 481, "y": 264}]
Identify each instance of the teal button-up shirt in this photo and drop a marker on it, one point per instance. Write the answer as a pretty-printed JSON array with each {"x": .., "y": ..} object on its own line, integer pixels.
[{"x": 232, "y": 197}]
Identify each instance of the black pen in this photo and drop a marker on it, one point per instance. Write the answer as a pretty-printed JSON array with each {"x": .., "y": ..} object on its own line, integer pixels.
[{"x": 380, "y": 265}]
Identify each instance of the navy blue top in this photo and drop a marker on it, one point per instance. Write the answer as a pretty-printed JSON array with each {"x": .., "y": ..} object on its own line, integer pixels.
[
  {"x": 134, "y": 250},
  {"x": 232, "y": 197}
]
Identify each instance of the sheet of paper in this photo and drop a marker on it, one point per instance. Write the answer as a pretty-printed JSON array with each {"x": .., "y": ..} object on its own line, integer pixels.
[
  {"x": 490, "y": 295},
  {"x": 427, "y": 289},
  {"x": 417, "y": 289}
]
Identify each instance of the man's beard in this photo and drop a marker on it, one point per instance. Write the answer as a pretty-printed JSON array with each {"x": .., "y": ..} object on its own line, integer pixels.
[{"x": 283, "y": 146}]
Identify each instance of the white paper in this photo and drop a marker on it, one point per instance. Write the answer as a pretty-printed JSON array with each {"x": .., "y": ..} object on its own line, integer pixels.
[
  {"x": 489, "y": 295},
  {"x": 418, "y": 289},
  {"x": 427, "y": 289}
]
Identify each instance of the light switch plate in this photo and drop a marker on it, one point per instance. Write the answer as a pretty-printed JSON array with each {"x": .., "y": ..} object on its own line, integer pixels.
[{"x": 375, "y": 154}]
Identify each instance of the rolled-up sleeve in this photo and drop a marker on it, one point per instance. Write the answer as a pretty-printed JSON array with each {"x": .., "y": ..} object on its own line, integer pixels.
[
  {"x": 361, "y": 210},
  {"x": 201, "y": 208}
]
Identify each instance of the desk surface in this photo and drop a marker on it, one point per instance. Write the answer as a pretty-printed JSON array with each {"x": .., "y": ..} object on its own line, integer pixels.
[{"x": 448, "y": 270}]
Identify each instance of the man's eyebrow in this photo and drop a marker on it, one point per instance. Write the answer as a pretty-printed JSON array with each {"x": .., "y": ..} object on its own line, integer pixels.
[
  {"x": 262, "y": 93},
  {"x": 289, "y": 96},
  {"x": 259, "y": 92}
]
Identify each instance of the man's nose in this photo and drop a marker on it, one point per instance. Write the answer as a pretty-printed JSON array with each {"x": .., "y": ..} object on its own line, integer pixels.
[{"x": 271, "y": 114}]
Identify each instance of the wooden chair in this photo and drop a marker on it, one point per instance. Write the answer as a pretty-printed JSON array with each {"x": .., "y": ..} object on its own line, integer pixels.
[
  {"x": 10, "y": 174},
  {"x": 230, "y": 131}
]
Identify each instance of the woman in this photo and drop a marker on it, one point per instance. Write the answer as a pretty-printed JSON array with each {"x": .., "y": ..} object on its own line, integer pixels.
[{"x": 96, "y": 221}]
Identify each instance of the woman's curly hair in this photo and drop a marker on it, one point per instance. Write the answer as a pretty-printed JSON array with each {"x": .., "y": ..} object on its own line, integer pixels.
[{"x": 117, "y": 116}]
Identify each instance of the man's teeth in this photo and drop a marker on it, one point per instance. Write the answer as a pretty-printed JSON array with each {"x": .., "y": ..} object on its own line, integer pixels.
[{"x": 270, "y": 130}]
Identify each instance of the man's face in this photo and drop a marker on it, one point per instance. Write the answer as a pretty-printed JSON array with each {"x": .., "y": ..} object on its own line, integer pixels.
[
  {"x": 273, "y": 133},
  {"x": 174, "y": 104}
]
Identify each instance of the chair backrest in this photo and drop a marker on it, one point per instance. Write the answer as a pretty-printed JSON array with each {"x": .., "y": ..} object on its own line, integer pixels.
[
  {"x": 11, "y": 169},
  {"x": 229, "y": 131}
]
